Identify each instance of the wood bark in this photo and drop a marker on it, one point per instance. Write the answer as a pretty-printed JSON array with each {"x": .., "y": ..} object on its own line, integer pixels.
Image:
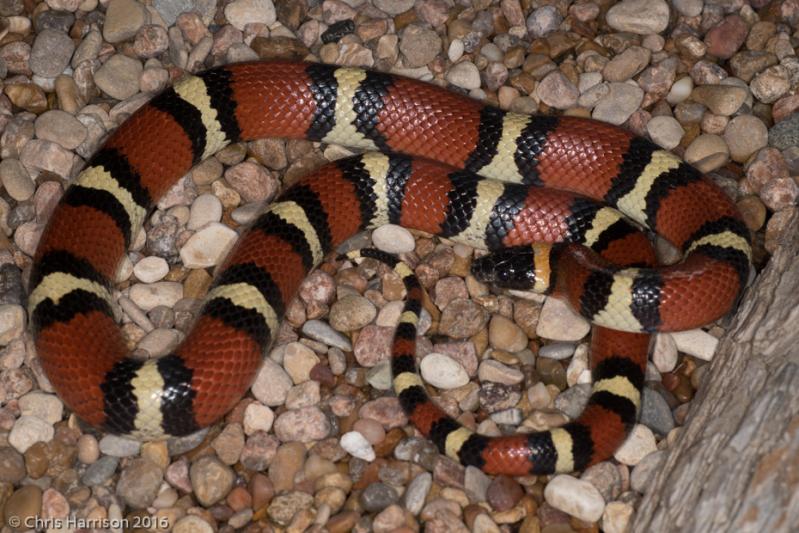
[{"x": 735, "y": 465}]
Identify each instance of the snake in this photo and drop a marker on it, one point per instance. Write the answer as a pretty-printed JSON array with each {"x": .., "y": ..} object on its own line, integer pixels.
[{"x": 436, "y": 161}]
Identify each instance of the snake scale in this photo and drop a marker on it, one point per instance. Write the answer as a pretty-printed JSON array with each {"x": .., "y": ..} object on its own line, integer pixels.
[{"x": 438, "y": 162}]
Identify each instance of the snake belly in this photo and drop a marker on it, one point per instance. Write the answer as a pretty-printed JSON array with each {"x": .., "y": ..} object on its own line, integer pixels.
[{"x": 81, "y": 347}]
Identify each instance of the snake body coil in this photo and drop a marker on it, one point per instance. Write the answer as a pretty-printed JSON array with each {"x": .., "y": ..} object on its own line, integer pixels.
[{"x": 81, "y": 346}]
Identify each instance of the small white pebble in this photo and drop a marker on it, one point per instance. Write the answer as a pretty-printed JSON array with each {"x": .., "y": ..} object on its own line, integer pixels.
[
  {"x": 393, "y": 239},
  {"x": 356, "y": 445},
  {"x": 443, "y": 372},
  {"x": 696, "y": 342},
  {"x": 576, "y": 497},
  {"x": 151, "y": 269}
]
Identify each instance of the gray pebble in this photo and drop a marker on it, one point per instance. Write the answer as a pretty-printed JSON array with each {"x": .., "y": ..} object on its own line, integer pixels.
[
  {"x": 51, "y": 53},
  {"x": 557, "y": 350},
  {"x": 322, "y": 332},
  {"x": 118, "y": 446},
  {"x": 60, "y": 127},
  {"x": 139, "y": 483},
  {"x": 377, "y": 497},
  {"x": 98, "y": 472},
  {"x": 119, "y": 76},
  {"x": 417, "y": 491},
  {"x": 655, "y": 412},
  {"x": 543, "y": 21},
  {"x": 619, "y": 104},
  {"x": 53, "y": 20},
  {"x": 573, "y": 400},
  {"x": 180, "y": 445},
  {"x": 785, "y": 134}
]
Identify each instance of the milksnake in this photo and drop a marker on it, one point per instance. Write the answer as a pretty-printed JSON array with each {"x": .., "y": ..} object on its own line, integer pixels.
[{"x": 80, "y": 344}]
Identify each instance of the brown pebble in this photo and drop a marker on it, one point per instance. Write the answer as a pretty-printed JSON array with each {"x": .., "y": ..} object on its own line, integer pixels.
[
  {"x": 342, "y": 522},
  {"x": 385, "y": 447},
  {"x": 36, "y": 460},
  {"x": 504, "y": 493},
  {"x": 24, "y": 504},
  {"x": 262, "y": 490},
  {"x": 239, "y": 499}
]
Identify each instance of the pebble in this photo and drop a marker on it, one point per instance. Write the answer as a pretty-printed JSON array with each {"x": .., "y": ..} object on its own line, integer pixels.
[
  {"x": 558, "y": 322},
  {"x": 208, "y": 247},
  {"x": 707, "y": 152},
  {"x": 419, "y": 45},
  {"x": 771, "y": 84},
  {"x": 745, "y": 135},
  {"x": 378, "y": 496},
  {"x": 638, "y": 445},
  {"x": 393, "y": 239},
  {"x": 139, "y": 483},
  {"x": 257, "y": 417},
  {"x": 322, "y": 332},
  {"x": 299, "y": 360},
  {"x": 688, "y": 8},
  {"x": 665, "y": 131},
  {"x": 123, "y": 18},
  {"x": 12, "y": 465},
  {"x": 617, "y": 517},
  {"x": 720, "y": 99},
  {"x": 29, "y": 430},
  {"x": 192, "y": 524},
  {"x": 16, "y": 180},
  {"x": 304, "y": 425},
  {"x": 151, "y": 295},
  {"x": 491, "y": 370},
  {"x": 211, "y": 480},
  {"x": 543, "y": 20},
  {"x": 25, "y": 504},
  {"x": 240, "y": 13},
  {"x": 352, "y": 312},
  {"x": 556, "y": 90},
  {"x": 100, "y": 471},
  {"x": 373, "y": 345},
  {"x": 504, "y": 334},
  {"x": 44, "y": 406},
  {"x": 60, "y": 127},
  {"x": 50, "y": 53},
  {"x": 119, "y": 446},
  {"x": 680, "y": 90},
  {"x": 504, "y": 493},
  {"x": 443, "y": 372},
  {"x": 724, "y": 39},
  {"x": 151, "y": 269},
  {"x": 696, "y": 342},
  {"x": 393, "y": 7},
  {"x": 356, "y": 445},
  {"x": 416, "y": 493},
  {"x": 622, "y": 100},
  {"x": 575, "y": 497},
  {"x": 88, "y": 449},
  {"x": 655, "y": 412},
  {"x": 44, "y": 156},
  {"x": 645, "y": 471},
  {"x": 639, "y": 16},
  {"x": 464, "y": 75},
  {"x": 627, "y": 64},
  {"x": 557, "y": 350},
  {"x": 665, "y": 355},
  {"x": 284, "y": 506},
  {"x": 785, "y": 134},
  {"x": 205, "y": 209},
  {"x": 119, "y": 76},
  {"x": 272, "y": 384}
]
